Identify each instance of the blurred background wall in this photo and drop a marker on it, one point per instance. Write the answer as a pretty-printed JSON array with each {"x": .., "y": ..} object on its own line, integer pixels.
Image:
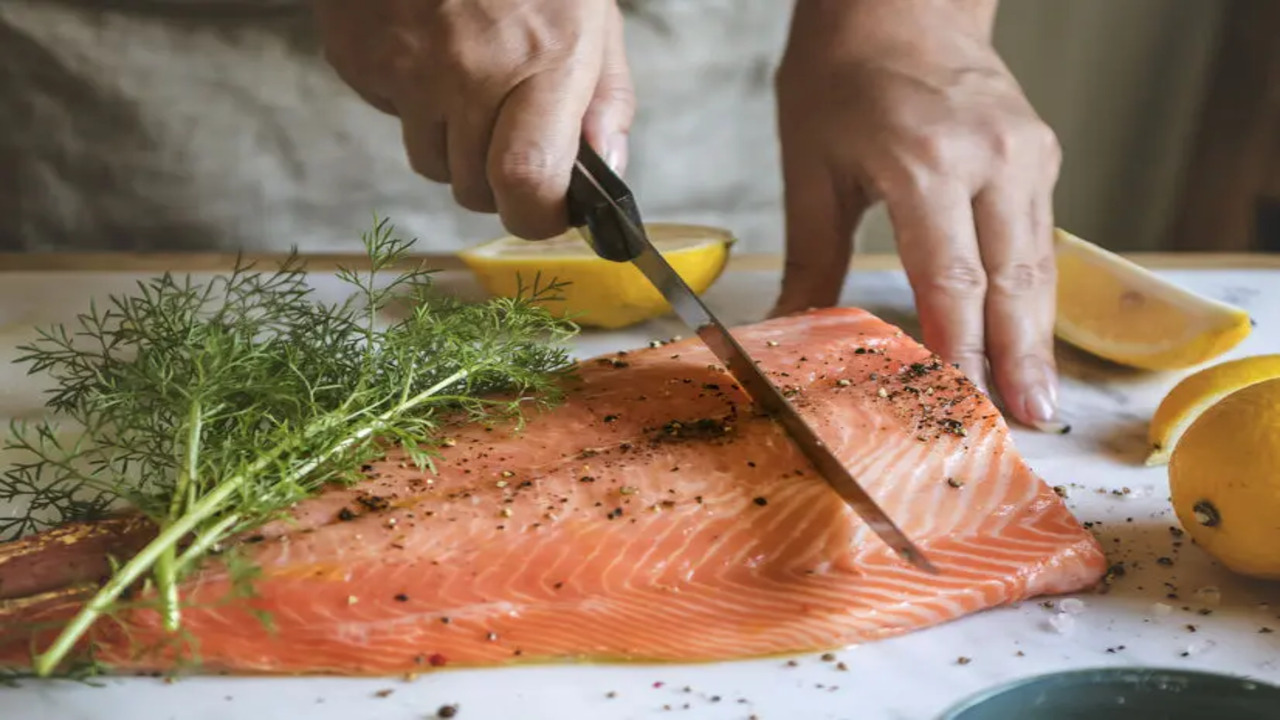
[{"x": 1122, "y": 83}]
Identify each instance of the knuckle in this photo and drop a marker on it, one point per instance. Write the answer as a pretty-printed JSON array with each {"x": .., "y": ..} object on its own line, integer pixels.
[
  {"x": 906, "y": 179},
  {"x": 1004, "y": 136},
  {"x": 403, "y": 56},
  {"x": 1021, "y": 278},
  {"x": 527, "y": 170},
  {"x": 919, "y": 165},
  {"x": 968, "y": 351},
  {"x": 1004, "y": 144},
  {"x": 551, "y": 52},
  {"x": 1046, "y": 140},
  {"x": 620, "y": 96},
  {"x": 962, "y": 279},
  {"x": 930, "y": 152},
  {"x": 1032, "y": 143},
  {"x": 1016, "y": 279},
  {"x": 1051, "y": 149}
]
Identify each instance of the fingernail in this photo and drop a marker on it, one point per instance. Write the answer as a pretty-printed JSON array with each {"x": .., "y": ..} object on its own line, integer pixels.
[
  {"x": 1044, "y": 414},
  {"x": 615, "y": 152},
  {"x": 1053, "y": 428},
  {"x": 1040, "y": 401}
]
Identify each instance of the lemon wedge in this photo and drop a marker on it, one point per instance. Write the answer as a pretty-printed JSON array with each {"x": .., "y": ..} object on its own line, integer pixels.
[
  {"x": 1118, "y": 310},
  {"x": 1198, "y": 392},
  {"x": 1224, "y": 480},
  {"x": 600, "y": 293}
]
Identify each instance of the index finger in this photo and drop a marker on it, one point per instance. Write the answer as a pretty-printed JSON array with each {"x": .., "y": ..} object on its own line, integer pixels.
[
  {"x": 535, "y": 142},
  {"x": 938, "y": 246},
  {"x": 1018, "y": 252}
]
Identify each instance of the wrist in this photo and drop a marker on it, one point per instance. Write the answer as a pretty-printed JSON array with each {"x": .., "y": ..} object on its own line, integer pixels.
[{"x": 872, "y": 22}]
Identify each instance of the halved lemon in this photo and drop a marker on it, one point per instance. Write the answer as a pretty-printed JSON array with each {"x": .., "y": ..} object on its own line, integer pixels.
[
  {"x": 600, "y": 293},
  {"x": 1116, "y": 309},
  {"x": 1199, "y": 392}
]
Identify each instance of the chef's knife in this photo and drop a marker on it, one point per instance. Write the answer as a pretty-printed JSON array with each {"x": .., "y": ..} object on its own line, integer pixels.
[{"x": 604, "y": 209}]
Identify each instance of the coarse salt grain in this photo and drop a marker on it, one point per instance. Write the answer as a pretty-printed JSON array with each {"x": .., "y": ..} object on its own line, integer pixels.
[
  {"x": 1071, "y": 606},
  {"x": 1200, "y": 647},
  {"x": 1161, "y": 609},
  {"x": 1062, "y": 623}
]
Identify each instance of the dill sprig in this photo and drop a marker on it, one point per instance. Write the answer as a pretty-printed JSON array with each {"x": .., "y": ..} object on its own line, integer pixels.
[{"x": 213, "y": 408}]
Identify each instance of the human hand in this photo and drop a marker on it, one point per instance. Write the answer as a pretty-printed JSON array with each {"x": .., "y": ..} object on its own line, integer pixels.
[
  {"x": 909, "y": 104},
  {"x": 492, "y": 95}
]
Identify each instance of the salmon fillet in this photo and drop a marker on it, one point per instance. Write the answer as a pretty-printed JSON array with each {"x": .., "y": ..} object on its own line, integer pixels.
[{"x": 653, "y": 516}]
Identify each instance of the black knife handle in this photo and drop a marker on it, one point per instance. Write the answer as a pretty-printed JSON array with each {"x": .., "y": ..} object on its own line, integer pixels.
[{"x": 596, "y": 195}]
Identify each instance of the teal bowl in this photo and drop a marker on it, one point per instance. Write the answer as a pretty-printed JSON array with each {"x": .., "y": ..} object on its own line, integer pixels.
[{"x": 1124, "y": 694}]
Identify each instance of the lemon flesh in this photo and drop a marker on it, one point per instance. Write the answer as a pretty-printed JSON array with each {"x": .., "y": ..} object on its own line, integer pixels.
[
  {"x": 1198, "y": 392},
  {"x": 1118, "y": 310},
  {"x": 1224, "y": 480},
  {"x": 600, "y": 293}
]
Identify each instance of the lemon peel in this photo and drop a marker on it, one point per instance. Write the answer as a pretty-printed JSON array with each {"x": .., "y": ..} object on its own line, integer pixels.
[
  {"x": 1224, "y": 480},
  {"x": 1111, "y": 307},
  {"x": 1199, "y": 391},
  {"x": 600, "y": 293}
]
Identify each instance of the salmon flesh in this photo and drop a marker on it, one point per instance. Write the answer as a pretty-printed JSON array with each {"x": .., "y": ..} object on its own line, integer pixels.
[{"x": 653, "y": 516}]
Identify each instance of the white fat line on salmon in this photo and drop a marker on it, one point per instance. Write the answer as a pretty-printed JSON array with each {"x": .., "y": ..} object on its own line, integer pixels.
[{"x": 460, "y": 617}]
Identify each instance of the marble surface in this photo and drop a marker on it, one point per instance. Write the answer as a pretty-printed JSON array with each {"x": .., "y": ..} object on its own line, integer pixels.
[{"x": 915, "y": 677}]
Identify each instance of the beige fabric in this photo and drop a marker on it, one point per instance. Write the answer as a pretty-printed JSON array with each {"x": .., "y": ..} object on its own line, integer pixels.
[{"x": 201, "y": 124}]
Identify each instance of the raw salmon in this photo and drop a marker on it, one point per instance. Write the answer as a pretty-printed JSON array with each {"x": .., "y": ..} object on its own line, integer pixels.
[{"x": 652, "y": 516}]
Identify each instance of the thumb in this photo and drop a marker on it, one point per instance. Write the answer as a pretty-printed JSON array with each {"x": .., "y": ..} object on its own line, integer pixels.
[
  {"x": 613, "y": 105},
  {"x": 820, "y": 221}
]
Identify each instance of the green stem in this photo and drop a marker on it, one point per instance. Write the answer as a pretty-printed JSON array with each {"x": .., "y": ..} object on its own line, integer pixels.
[
  {"x": 204, "y": 541},
  {"x": 167, "y": 584},
  {"x": 139, "y": 564},
  {"x": 166, "y": 565},
  {"x": 476, "y": 400},
  {"x": 193, "y": 457},
  {"x": 170, "y": 536}
]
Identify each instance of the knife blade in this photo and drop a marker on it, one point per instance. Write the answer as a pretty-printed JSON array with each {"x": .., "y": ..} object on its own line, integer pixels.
[{"x": 603, "y": 208}]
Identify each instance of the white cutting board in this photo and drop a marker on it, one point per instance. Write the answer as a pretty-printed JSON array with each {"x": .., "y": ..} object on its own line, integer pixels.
[{"x": 1108, "y": 409}]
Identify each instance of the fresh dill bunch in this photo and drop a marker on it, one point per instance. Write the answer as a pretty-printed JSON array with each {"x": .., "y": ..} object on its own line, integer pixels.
[{"x": 212, "y": 408}]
